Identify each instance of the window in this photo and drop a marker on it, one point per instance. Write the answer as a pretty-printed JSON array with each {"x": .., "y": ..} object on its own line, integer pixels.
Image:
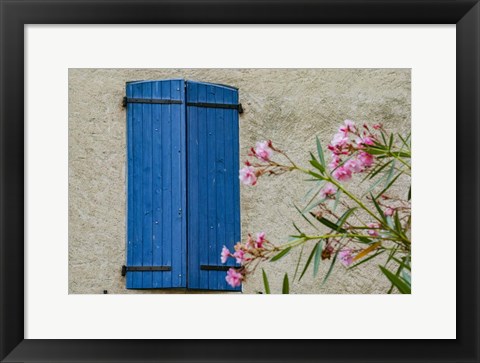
[{"x": 183, "y": 197}]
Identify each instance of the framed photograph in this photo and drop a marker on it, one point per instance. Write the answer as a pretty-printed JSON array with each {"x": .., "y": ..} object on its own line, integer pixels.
[{"x": 221, "y": 181}]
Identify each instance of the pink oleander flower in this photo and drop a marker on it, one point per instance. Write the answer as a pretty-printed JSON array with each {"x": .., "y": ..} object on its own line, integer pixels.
[
  {"x": 365, "y": 140},
  {"x": 335, "y": 162},
  {"x": 250, "y": 242},
  {"x": 239, "y": 256},
  {"x": 373, "y": 232},
  {"x": 247, "y": 175},
  {"x": 260, "y": 240},
  {"x": 354, "y": 165},
  {"x": 234, "y": 278},
  {"x": 345, "y": 256},
  {"x": 349, "y": 126},
  {"x": 389, "y": 212},
  {"x": 377, "y": 126},
  {"x": 328, "y": 190},
  {"x": 225, "y": 254},
  {"x": 263, "y": 151},
  {"x": 365, "y": 158},
  {"x": 339, "y": 140},
  {"x": 342, "y": 174}
]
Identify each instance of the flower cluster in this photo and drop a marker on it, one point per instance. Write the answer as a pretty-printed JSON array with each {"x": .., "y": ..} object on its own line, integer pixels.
[
  {"x": 350, "y": 142},
  {"x": 262, "y": 163},
  {"x": 248, "y": 255}
]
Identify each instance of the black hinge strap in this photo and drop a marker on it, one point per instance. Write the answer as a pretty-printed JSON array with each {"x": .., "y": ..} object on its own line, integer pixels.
[
  {"x": 238, "y": 107},
  {"x": 126, "y": 269},
  {"x": 149, "y": 101},
  {"x": 214, "y": 268}
]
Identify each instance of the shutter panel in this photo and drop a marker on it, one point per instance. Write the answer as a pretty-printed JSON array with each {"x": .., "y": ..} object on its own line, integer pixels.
[
  {"x": 212, "y": 182},
  {"x": 156, "y": 192}
]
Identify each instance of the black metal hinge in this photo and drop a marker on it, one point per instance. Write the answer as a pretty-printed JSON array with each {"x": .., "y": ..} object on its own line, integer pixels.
[
  {"x": 127, "y": 100},
  {"x": 126, "y": 269},
  {"x": 237, "y": 107}
]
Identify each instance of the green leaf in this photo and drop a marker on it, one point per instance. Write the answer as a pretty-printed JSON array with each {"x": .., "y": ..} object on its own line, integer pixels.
[
  {"x": 298, "y": 230},
  {"x": 315, "y": 175},
  {"x": 317, "y": 165},
  {"x": 328, "y": 223},
  {"x": 312, "y": 205},
  {"x": 370, "y": 189},
  {"x": 341, "y": 221},
  {"x": 320, "y": 153},
  {"x": 281, "y": 254},
  {"x": 389, "y": 185},
  {"x": 391, "y": 254},
  {"x": 298, "y": 262},
  {"x": 375, "y": 150},
  {"x": 390, "y": 142},
  {"x": 401, "y": 154},
  {"x": 405, "y": 143},
  {"x": 308, "y": 261},
  {"x": 286, "y": 286},
  {"x": 331, "y": 267},
  {"x": 316, "y": 261},
  {"x": 265, "y": 282},
  {"x": 383, "y": 137},
  {"x": 406, "y": 276},
  {"x": 390, "y": 174},
  {"x": 398, "y": 225},
  {"x": 379, "y": 210},
  {"x": 305, "y": 217},
  {"x": 337, "y": 199},
  {"x": 376, "y": 170},
  {"x": 397, "y": 281},
  {"x": 402, "y": 264}
]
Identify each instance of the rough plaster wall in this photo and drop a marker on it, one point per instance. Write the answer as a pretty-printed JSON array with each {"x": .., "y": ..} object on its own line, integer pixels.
[{"x": 290, "y": 107}]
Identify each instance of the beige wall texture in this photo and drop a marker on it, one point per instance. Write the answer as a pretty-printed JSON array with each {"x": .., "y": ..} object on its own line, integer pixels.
[{"x": 289, "y": 106}]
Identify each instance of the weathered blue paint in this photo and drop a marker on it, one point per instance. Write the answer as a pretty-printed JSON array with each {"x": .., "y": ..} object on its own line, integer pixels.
[
  {"x": 212, "y": 183},
  {"x": 156, "y": 226},
  {"x": 183, "y": 187}
]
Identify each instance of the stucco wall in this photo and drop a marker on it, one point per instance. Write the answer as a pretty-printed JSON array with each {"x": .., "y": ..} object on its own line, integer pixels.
[{"x": 290, "y": 107}]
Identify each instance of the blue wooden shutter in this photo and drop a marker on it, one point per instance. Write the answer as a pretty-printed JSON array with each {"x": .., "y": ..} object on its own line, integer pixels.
[
  {"x": 213, "y": 192},
  {"x": 156, "y": 222}
]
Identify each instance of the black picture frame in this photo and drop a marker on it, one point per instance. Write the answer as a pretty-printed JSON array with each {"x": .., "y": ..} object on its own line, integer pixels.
[{"x": 16, "y": 14}]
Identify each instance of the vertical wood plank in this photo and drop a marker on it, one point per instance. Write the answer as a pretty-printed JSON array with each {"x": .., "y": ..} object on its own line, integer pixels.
[
  {"x": 235, "y": 170},
  {"x": 177, "y": 211},
  {"x": 230, "y": 175},
  {"x": 167, "y": 185},
  {"x": 203, "y": 149},
  {"x": 137, "y": 91},
  {"x": 220, "y": 184},
  {"x": 130, "y": 183},
  {"x": 157, "y": 230},
  {"x": 193, "y": 190},
  {"x": 212, "y": 185},
  {"x": 147, "y": 246},
  {"x": 184, "y": 174}
]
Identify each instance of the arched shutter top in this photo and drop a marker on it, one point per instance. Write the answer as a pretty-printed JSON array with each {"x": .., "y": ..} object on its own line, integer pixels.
[{"x": 212, "y": 95}]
